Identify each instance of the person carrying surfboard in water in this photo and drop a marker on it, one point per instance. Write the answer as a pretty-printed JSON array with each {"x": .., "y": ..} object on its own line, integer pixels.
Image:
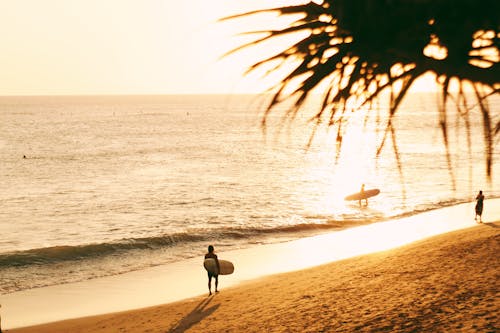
[
  {"x": 211, "y": 254},
  {"x": 362, "y": 191}
]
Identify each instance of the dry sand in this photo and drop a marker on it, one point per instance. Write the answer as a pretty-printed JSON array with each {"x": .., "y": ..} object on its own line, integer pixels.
[{"x": 448, "y": 283}]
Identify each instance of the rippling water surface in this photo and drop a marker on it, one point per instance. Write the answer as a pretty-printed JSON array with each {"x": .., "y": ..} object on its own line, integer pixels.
[{"x": 93, "y": 186}]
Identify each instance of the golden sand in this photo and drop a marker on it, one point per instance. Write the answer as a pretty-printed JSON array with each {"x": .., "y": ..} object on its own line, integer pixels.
[{"x": 447, "y": 283}]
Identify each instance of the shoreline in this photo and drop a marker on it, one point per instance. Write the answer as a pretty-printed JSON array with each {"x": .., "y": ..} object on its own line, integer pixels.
[{"x": 161, "y": 285}]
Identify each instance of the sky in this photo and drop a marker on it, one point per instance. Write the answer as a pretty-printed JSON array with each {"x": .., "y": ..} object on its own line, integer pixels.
[
  {"x": 73, "y": 47},
  {"x": 125, "y": 46}
]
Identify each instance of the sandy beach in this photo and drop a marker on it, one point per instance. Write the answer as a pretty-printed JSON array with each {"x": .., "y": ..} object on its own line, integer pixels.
[{"x": 446, "y": 283}]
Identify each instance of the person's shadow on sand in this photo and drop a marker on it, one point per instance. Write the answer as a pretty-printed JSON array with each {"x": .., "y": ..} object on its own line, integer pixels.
[{"x": 198, "y": 314}]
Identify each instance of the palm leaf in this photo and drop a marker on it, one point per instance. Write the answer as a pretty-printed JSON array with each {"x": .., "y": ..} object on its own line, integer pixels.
[{"x": 355, "y": 46}]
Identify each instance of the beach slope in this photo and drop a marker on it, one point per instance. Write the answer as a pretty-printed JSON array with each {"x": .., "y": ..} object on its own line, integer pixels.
[{"x": 447, "y": 283}]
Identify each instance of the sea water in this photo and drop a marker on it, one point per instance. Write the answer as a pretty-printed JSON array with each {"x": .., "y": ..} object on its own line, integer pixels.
[{"x": 93, "y": 186}]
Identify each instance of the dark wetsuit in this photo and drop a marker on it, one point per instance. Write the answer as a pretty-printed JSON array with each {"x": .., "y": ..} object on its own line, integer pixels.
[
  {"x": 214, "y": 256},
  {"x": 479, "y": 204}
]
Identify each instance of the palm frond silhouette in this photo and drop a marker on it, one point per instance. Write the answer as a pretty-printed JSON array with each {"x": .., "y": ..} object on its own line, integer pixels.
[{"x": 361, "y": 49}]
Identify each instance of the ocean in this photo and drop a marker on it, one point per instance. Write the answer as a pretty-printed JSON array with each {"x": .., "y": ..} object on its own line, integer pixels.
[{"x": 94, "y": 186}]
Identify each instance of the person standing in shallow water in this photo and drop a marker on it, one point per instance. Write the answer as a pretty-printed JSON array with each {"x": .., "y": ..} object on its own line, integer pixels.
[
  {"x": 362, "y": 191},
  {"x": 211, "y": 254},
  {"x": 479, "y": 206}
]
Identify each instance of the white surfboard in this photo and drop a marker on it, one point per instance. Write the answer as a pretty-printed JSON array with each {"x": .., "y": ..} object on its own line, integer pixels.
[
  {"x": 226, "y": 267},
  {"x": 362, "y": 195}
]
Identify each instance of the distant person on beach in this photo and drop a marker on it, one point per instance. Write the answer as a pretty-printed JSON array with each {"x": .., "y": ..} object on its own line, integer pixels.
[
  {"x": 211, "y": 254},
  {"x": 479, "y": 206}
]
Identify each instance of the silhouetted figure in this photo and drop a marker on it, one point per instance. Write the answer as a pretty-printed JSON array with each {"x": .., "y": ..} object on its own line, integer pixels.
[
  {"x": 479, "y": 206},
  {"x": 361, "y": 193},
  {"x": 211, "y": 254}
]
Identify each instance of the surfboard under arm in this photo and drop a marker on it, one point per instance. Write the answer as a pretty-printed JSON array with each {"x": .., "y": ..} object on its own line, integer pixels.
[
  {"x": 362, "y": 195},
  {"x": 226, "y": 267}
]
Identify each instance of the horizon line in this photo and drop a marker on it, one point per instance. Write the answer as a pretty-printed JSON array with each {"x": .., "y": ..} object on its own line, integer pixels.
[{"x": 163, "y": 94}]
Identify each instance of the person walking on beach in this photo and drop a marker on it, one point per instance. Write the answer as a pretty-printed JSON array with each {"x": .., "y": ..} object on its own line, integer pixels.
[
  {"x": 211, "y": 254},
  {"x": 479, "y": 206}
]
